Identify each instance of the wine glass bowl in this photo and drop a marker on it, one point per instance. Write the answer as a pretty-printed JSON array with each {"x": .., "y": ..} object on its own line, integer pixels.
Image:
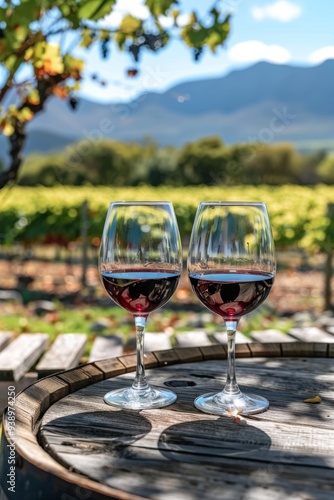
[
  {"x": 231, "y": 267},
  {"x": 140, "y": 265}
]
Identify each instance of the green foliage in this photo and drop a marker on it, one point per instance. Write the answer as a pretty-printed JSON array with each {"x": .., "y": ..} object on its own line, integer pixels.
[
  {"x": 27, "y": 37},
  {"x": 160, "y": 7},
  {"x": 325, "y": 169},
  {"x": 273, "y": 164},
  {"x": 203, "y": 162},
  {"x": 196, "y": 34},
  {"x": 299, "y": 215},
  {"x": 95, "y": 9},
  {"x": 206, "y": 161}
]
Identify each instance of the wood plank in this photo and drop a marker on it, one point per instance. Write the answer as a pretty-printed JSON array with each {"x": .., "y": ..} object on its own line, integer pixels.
[
  {"x": 105, "y": 347},
  {"x": 20, "y": 355},
  {"x": 272, "y": 349},
  {"x": 313, "y": 349},
  {"x": 5, "y": 339},
  {"x": 37, "y": 398},
  {"x": 28, "y": 379},
  {"x": 193, "y": 338},
  {"x": 330, "y": 329},
  {"x": 166, "y": 357},
  {"x": 242, "y": 351},
  {"x": 187, "y": 354},
  {"x": 65, "y": 353},
  {"x": 213, "y": 351},
  {"x": 156, "y": 341},
  {"x": 150, "y": 360},
  {"x": 110, "y": 367},
  {"x": 81, "y": 376},
  {"x": 330, "y": 350},
  {"x": 129, "y": 361},
  {"x": 311, "y": 334},
  {"x": 240, "y": 338},
  {"x": 271, "y": 335}
]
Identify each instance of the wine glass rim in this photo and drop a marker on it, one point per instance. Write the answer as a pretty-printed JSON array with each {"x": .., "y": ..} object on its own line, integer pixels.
[
  {"x": 234, "y": 203},
  {"x": 140, "y": 203}
]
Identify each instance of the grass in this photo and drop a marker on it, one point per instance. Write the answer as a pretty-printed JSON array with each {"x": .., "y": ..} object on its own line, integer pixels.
[{"x": 87, "y": 319}]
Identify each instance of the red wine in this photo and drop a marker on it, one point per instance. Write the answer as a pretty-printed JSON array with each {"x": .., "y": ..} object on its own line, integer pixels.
[
  {"x": 140, "y": 292},
  {"x": 231, "y": 294}
]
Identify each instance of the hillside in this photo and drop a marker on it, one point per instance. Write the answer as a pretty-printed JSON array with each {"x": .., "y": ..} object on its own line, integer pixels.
[{"x": 265, "y": 101}]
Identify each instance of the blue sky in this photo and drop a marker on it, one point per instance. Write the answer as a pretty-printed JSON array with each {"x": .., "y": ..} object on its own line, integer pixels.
[{"x": 280, "y": 31}]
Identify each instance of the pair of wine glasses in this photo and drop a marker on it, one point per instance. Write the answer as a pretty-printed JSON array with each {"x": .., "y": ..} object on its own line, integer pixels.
[{"x": 231, "y": 267}]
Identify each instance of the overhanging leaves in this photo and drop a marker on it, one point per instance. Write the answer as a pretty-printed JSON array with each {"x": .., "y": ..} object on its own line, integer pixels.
[{"x": 95, "y": 9}]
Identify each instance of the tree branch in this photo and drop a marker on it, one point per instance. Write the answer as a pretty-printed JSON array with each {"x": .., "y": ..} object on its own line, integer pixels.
[{"x": 17, "y": 139}]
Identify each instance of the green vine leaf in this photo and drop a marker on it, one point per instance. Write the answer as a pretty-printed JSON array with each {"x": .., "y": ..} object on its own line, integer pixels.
[
  {"x": 196, "y": 35},
  {"x": 160, "y": 7},
  {"x": 95, "y": 9}
]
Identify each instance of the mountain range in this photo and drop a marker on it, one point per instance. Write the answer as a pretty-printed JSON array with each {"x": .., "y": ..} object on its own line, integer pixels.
[{"x": 264, "y": 102}]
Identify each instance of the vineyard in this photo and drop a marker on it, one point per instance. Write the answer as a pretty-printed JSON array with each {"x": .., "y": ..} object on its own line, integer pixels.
[{"x": 299, "y": 215}]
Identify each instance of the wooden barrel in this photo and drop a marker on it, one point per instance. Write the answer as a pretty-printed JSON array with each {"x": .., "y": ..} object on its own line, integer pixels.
[{"x": 60, "y": 441}]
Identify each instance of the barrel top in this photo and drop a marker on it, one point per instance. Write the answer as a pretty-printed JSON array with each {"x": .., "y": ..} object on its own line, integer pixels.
[{"x": 65, "y": 429}]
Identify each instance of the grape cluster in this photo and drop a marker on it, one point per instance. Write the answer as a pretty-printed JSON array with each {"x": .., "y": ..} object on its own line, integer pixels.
[
  {"x": 105, "y": 49},
  {"x": 197, "y": 53},
  {"x": 147, "y": 40},
  {"x": 73, "y": 102}
]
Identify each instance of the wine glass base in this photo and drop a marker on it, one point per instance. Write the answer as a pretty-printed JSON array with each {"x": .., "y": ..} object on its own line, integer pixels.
[
  {"x": 222, "y": 404},
  {"x": 133, "y": 399}
]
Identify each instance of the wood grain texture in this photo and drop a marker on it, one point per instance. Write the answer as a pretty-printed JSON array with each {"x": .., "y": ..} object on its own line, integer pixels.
[
  {"x": 180, "y": 453},
  {"x": 81, "y": 376},
  {"x": 214, "y": 351},
  {"x": 189, "y": 353},
  {"x": 270, "y": 335},
  {"x": 105, "y": 347},
  {"x": 5, "y": 339},
  {"x": 269, "y": 349},
  {"x": 65, "y": 353},
  {"x": 156, "y": 341},
  {"x": 19, "y": 356},
  {"x": 240, "y": 338},
  {"x": 314, "y": 349},
  {"x": 110, "y": 367},
  {"x": 311, "y": 334},
  {"x": 192, "y": 339}
]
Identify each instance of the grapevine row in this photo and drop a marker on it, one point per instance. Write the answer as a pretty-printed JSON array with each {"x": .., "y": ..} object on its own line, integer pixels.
[{"x": 53, "y": 215}]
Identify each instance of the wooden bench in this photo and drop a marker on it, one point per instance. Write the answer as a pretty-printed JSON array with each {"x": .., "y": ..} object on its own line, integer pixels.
[
  {"x": 29, "y": 356},
  {"x": 106, "y": 347},
  {"x": 5, "y": 339},
  {"x": 65, "y": 353},
  {"x": 18, "y": 356}
]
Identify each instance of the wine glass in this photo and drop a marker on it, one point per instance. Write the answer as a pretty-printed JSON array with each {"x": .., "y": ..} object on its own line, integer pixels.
[
  {"x": 140, "y": 265},
  {"x": 231, "y": 267}
]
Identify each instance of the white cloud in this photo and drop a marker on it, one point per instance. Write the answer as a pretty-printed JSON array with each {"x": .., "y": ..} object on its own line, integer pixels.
[
  {"x": 282, "y": 11},
  {"x": 167, "y": 22},
  {"x": 124, "y": 7},
  {"x": 321, "y": 55},
  {"x": 253, "y": 51}
]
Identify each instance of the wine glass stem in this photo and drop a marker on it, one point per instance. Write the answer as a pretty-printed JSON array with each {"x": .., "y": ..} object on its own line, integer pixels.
[
  {"x": 140, "y": 383},
  {"x": 231, "y": 387}
]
